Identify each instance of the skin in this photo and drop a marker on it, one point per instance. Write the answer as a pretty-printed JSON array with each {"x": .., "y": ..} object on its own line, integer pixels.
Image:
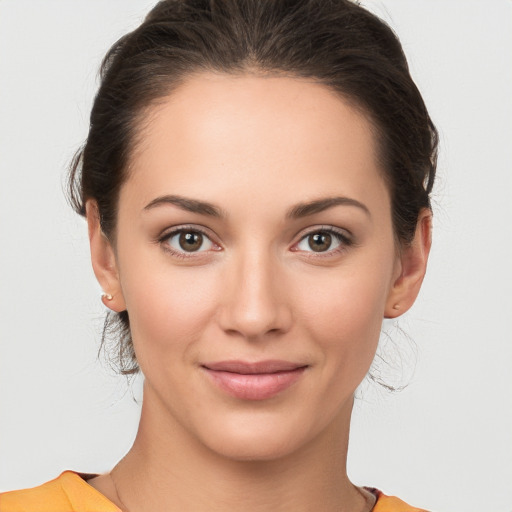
[{"x": 254, "y": 147}]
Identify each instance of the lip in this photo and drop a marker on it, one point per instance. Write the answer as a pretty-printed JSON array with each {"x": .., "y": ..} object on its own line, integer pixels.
[{"x": 254, "y": 380}]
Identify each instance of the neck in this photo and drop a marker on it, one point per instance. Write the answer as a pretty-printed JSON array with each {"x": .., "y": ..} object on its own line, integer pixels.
[{"x": 168, "y": 469}]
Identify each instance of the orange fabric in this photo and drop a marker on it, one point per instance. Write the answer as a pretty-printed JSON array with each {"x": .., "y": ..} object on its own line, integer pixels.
[
  {"x": 66, "y": 493},
  {"x": 391, "y": 504},
  {"x": 70, "y": 493}
]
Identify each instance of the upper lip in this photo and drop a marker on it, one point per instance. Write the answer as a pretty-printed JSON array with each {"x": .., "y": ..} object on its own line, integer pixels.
[{"x": 258, "y": 367}]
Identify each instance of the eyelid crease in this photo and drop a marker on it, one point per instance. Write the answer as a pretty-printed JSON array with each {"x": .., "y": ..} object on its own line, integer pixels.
[
  {"x": 344, "y": 234},
  {"x": 172, "y": 230},
  {"x": 345, "y": 241},
  {"x": 169, "y": 233},
  {"x": 344, "y": 237}
]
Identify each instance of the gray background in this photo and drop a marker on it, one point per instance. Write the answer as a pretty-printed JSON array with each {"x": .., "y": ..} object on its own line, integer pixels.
[{"x": 444, "y": 443}]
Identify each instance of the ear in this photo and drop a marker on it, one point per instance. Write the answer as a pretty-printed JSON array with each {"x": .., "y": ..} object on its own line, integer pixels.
[
  {"x": 103, "y": 260},
  {"x": 411, "y": 268}
]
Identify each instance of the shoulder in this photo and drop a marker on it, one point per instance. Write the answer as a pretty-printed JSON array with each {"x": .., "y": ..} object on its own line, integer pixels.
[
  {"x": 391, "y": 503},
  {"x": 69, "y": 492}
]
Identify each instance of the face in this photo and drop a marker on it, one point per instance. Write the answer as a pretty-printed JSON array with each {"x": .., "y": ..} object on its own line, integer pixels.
[{"x": 255, "y": 256}]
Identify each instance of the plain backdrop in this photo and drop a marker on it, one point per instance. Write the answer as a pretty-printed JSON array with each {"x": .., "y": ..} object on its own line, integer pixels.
[{"x": 444, "y": 443}]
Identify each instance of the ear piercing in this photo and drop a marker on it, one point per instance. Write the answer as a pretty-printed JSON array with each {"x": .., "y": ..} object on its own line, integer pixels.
[
  {"x": 396, "y": 306},
  {"x": 107, "y": 296}
]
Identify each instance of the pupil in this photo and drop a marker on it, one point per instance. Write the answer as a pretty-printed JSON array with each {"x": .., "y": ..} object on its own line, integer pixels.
[
  {"x": 191, "y": 241},
  {"x": 320, "y": 242}
]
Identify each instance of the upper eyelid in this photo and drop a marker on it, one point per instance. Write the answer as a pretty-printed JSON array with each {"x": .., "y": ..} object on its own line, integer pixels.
[
  {"x": 344, "y": 236},
  {"x": 172, "y": 230},
  {"x": 344, "y": 233}
]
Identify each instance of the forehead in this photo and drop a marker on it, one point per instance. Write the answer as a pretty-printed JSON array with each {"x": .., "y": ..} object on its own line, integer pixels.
[{"x": 218, "y": 132}]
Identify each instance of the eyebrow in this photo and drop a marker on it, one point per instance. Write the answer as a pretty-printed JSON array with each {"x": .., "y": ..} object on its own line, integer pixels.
[
  {"x": 320, "y": 205},
  {"x": 296, "y": 212},
  {"x": 189, "y": 205}
]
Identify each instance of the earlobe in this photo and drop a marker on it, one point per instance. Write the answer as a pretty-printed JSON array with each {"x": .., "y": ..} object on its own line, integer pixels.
[
  {"x": 413, "y": 265},
  {"x": 103, "y": 260}
]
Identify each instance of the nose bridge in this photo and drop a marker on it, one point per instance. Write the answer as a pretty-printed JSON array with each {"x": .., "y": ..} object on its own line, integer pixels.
[{"x": 255, "y": 304}]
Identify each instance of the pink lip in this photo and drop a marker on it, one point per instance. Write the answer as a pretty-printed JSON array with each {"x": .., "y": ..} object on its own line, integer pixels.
[{"x": 254, "y": 381}]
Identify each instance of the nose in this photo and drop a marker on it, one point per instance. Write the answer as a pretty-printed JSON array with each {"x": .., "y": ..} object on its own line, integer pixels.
[{"x": 255, "y": 304}]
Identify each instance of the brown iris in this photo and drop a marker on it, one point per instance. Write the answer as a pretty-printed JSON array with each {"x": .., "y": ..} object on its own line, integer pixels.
[
  {"x": 320, "y": 242},
  {"x": 190, "y": 241}
]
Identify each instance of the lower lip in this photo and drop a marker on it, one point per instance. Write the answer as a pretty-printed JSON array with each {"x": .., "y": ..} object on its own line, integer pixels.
[{"x": 259, "y": 386}]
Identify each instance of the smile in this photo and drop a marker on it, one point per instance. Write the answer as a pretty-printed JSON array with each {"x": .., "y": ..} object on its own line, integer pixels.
[{"x": 254, "y": 381}]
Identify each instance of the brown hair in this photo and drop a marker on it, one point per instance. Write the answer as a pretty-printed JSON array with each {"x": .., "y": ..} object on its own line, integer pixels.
[{"x": 334, "y": 42}]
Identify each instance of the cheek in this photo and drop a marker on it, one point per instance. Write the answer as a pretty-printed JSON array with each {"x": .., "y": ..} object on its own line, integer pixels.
[
  {"x": 168, "y": 306},
  {"x": 344, "y": 315}
]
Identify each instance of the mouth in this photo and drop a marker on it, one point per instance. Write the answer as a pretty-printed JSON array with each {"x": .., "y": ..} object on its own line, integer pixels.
[{"x": 254, "y": 380}]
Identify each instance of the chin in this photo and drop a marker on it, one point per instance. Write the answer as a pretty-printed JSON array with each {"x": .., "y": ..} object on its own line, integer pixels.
[
  {"x": 253, "y": 438},
  {"x": 254, "y": 449}
]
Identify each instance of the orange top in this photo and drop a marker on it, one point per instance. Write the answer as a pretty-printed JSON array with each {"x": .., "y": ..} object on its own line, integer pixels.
[{"x": 71, "y": 493}]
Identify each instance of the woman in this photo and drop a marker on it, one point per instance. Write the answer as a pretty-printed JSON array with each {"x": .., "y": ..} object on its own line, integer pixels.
[{"x": 256, "y": 185}]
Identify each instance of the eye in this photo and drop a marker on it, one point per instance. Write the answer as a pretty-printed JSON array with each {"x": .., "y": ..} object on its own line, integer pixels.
[
  {"x": 322, "y": 241},
  {"x": 188, "y": 241}
]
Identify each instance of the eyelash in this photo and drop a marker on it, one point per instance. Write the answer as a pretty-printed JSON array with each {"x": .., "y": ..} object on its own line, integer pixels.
[
  {"x": 344, "y": 240},
  {"x": 341, "y": 236},
  {"x": 183, "y": 229}
]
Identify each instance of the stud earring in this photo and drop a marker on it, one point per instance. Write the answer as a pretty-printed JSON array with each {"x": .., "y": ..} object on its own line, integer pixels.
[
  {"x": 396, "y": 306},
  {"x": 107, "y": 296}
]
